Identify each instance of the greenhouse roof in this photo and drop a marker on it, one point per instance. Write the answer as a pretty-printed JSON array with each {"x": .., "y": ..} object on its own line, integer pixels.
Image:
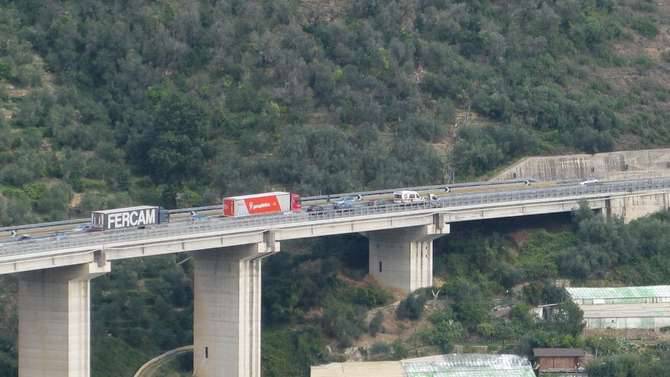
[
  {"x": 620, "y": 292},
  {"x": 468, "y": 365},
  {"x": 452, "y": 365}
]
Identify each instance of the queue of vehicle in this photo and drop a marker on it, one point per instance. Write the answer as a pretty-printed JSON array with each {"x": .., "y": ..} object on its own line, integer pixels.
[{"x": 269, "y": 203}]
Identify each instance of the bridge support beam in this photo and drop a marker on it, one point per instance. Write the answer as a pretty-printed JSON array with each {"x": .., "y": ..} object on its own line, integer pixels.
[
  {"x": 55, "y": 321},
  {"x": 403, "y": 258},
  {"x": 227, "y": 310}
]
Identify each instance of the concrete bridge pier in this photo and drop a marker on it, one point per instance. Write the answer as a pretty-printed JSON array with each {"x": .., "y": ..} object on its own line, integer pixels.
[
  {"x": 227, "y": 310},
  {"x": 55, "y": 320},
  {"x": 403, "y": 258}
]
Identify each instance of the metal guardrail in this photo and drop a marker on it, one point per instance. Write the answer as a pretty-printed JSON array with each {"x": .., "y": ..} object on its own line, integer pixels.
[
  {"x": 44, "y": 225},
  {"x": 306, "y": 199},
  {"x": 267, "y": 222}
]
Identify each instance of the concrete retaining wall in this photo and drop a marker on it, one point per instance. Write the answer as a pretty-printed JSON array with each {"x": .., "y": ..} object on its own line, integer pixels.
[
  {"x": 614, "y": 165},
  {"x": 633, "y": 207}
]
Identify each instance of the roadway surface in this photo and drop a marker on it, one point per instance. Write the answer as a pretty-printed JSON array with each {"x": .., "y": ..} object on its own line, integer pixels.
[{"x": 27, "y": 249}]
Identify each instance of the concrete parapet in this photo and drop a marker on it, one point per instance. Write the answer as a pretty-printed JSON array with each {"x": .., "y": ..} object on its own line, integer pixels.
[
  {"x": 403, "y": 258},
  {"x": 55, "y": 320},
  {"x": 227, "y": 310}
]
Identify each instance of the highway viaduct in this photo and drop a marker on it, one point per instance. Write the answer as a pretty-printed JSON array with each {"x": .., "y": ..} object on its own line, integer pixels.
[{"x": 55, "y": 274}]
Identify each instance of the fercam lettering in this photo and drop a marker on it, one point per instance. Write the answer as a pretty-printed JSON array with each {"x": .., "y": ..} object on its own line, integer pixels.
[{"x": 132, "y": 219}]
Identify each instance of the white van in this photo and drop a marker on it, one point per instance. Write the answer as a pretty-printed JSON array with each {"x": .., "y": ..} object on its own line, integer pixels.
[{"x": 404, "y": 197}]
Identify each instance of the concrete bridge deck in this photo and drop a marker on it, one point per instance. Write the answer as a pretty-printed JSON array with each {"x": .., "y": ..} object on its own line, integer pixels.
[{"x": 18, "y": 256}]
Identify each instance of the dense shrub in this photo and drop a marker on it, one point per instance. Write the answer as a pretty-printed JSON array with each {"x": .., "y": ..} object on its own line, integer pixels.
[
  {"x": 375, "y": 325},
  {"x": 629, "y": 365},
  {"x": 379, "y": 349},
  {"x": 470, "y": 305},
  {"x": 343, "y": 322},
  {"x": 411, "y": 307},
  {"x": 484, "y": 149},
  {"x": 544, "y": 292},
  {"x": 645, "y": 26},
  {"x": 445, "y": 332}
]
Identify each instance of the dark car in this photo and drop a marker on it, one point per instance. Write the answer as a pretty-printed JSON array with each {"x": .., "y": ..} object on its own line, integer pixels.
[
  {"x": 20, "y": 237},
  {"x": 377, "y": 202},
  {"x": 315, "y": 209},
  {"x": 84, "y": 228},
  {"x": 347, "y": 201}
]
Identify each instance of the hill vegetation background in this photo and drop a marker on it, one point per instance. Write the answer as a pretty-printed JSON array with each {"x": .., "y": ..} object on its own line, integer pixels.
[{"x": 178, "y": 102}]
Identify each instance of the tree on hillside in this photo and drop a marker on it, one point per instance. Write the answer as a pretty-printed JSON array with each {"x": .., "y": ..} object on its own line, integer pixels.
[
  {"x": 568, "y": 319},
  {"x": 169, "y": 146},
  {"x": 470, "y": 306}
]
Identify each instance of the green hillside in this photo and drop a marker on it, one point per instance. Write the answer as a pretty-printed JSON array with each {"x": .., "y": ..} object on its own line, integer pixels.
[{"x": 178, "y": 102}]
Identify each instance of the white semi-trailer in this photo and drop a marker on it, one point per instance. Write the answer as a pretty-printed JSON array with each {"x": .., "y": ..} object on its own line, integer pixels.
[{"x": 130, "y": 217}]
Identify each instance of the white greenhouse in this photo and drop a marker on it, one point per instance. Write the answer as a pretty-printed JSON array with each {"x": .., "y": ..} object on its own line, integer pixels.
[{"x": 645, "y": 308}]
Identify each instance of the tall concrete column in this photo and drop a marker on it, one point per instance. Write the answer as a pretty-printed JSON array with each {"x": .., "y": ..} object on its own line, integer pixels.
[
  {"x": 227, "y": 311},
  {"x": 55, "y": 321},
  {"x": 403, "y": 258}
]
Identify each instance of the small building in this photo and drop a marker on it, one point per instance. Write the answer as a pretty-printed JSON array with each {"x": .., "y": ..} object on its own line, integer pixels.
[
  {"x": 452, "y": 365},
  {"x": 623, "y": 308},
  {"x": 542, "y": 312},
  {"x": 559, "y": 359}
]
